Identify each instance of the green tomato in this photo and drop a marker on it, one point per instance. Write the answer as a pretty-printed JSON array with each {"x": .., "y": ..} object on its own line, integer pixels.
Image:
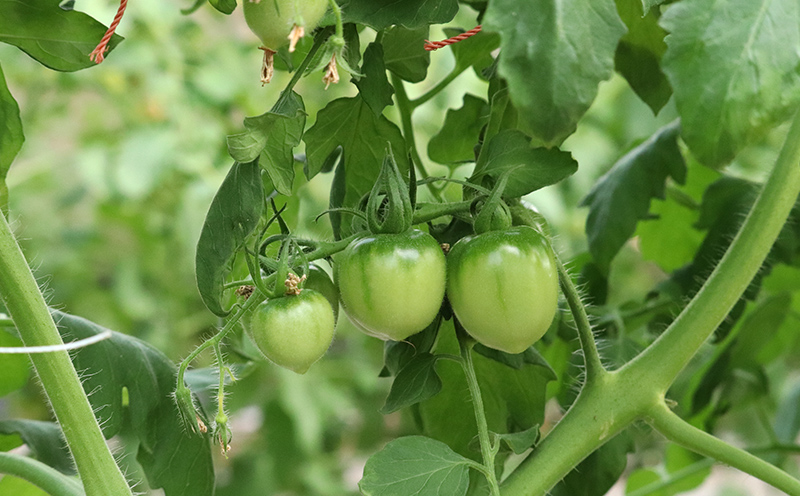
[
  {"x": 293, "y": 331},
  {"x": 272, "y": 20},
  {"x": 503, "y": 287},
  {"x": 320, "y": 281},
  {"x": 392, "y": 285}
]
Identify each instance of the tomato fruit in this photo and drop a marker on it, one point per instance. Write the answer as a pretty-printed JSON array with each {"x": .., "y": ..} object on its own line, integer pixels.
[
  {"x": 392, "y": 285},
  {"x": 503, "y": 287},
  {"x": 293, "y": 331},
  {"x": 320, "y": 281},
  {"x": 272, "y": 20}
]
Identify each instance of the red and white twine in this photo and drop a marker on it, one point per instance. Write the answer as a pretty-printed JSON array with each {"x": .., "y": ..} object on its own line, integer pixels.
[
  {"x": 98, "y": 54},
  {"x": 435, "y": 45}
]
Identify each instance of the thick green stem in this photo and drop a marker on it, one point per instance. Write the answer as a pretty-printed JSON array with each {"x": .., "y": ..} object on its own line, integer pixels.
[
  {"x": 681, "y": 432},
  {"x": 594, "y": 366},
  {"x": 42, "y": 476},
  {"x": 24, "y": 301},
  {"x": 487, "y": 450},
  {"x": 732, "y": 275}
]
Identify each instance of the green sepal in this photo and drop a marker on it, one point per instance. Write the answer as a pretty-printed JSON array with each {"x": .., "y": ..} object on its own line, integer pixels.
[
  {"x": 389, "y": 208},
  {"x": 494, "y": 214}
]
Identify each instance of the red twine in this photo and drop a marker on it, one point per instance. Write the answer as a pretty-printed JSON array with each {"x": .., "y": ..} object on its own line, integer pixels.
[
  {"x": 98, "y": 54},
  {"x": 435, "y": 45}
]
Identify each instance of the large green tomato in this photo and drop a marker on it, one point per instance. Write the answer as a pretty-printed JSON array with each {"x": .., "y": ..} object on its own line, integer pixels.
[
  {"x": 293, "y": 331},
  {"x": 320, "y": 281},
  {"x": 392, "y": 285},
  {"x": 272, "y": 20},
  {"x": 503, "y": 287}
]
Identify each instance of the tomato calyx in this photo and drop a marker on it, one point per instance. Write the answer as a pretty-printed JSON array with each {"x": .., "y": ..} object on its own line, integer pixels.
[{"x": 389, "y": 207}]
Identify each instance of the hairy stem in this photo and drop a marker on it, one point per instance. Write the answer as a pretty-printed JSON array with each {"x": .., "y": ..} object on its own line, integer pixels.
[
  {"x": 42, "y": 476},
  {"x": 24, "y": 301},
  {"x": 681, "y": 432},
  {"x": 487, "y": 450}
]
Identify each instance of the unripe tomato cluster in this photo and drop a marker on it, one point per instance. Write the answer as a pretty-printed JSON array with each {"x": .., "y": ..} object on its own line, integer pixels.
[{"x": 502, "y": 287}]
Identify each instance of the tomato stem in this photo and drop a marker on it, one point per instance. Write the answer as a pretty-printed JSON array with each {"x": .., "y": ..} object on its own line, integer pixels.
[
  {"x": 681, "y": 432},
  {"x": 487, "y": 451},
  {"x": 43, "y": 476}
]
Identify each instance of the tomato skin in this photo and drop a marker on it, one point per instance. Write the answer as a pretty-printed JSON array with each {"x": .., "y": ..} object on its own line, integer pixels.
[
  {"x": 320, "y": 281},
  {"x": 503, "y": 287},
  {"x": 272, "y": 20},
  {"x": 392, "y": 285},
  {"x": 293, "y": 331}
]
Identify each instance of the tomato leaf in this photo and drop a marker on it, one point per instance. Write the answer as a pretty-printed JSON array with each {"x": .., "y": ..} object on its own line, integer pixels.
[
  {"x": 224, "y": 6},
  {"x": 58, "y": 38},
  {"x": 540, "y": 166},
  {"x": 456, "y": 140},
  {"x": 284, "y": 135},
  {"x": 405, "y": 54},
  {"x": 349, "y": 123},
  {"x": 11, "y": 136},
  {"x": 397, "y": 354},
  {"x": 381, "y": 14},
  {"x": 622, "y": 197},
  {"x": 269, "y": 128},
  {"x": 731, "y": 89},
  {"x": 415, "y": 382},
  {"x": 638, "y": 56},
  {"x": 172, "y": 457},
  {"x": 415, "y": 466},
  {"x": 233, "y": 215},
  {"x": 519, "y": 442},
  {"x": 45, "y": 441},
  {"x": 475, "y": 51},
  {"x": 531, "y": 356},
  {"x": 374, "y": 87},
  {"x": 553, "y": 72}
]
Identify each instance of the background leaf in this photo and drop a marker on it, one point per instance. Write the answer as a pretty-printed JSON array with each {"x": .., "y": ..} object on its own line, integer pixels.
[
  {"x": 277, "y": 158},
  {"x": 374, "y": 87},
  {"x": 566, "y": 47},
  {"x": 456, "y": 140},
  {"x": 415, "y": 466},
  {"x": 233, "y": 215},
  {"x": 595, "y": 475},
  {"x": 732, "y": 75},
  {"x": 417, "y": 381},
  {"x": 11, "y": 136},
  {"x": 405, "y": 54},
  {"x": 622, "y": 197},
  {"x": 45, "y": 441},
  {"x": 269, "y": 128},
  {"x": 380, "y": 14},
  {"x": 57, "y": 38}
]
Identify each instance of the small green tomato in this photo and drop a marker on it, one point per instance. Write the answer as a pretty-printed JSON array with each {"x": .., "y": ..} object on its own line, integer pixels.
[{"x": 273, "y": 20}]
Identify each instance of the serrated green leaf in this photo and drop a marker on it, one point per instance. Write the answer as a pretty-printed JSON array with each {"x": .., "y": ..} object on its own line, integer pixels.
[
  {"x": 475, "y": 51},
  {"x": 735, "y": 69},
  {"x": 455, "y": 142},
  {"x": 638, "y": 56},
  {"x": 16, "y": 367},
  {"x": 349, "y": 123},
  {"x": 59, "y": 39},
  {"x": 269, "y": 128},
  {"x": 396, "y": 354},
  {"x": 554, "y": 54},
  {"x": 417, "y": 381},
  {"x": 381, "y": 14},
  {"x": 234, "y": 213},
  {"x": 284, "y": 135},
  {"x": 622, "y": 197},
  {"x": 415, "y": 466},
  {"x": 172, "y": 457},
  {"x": 519, "y": 442},
  {"x": 11, "y": 136},
  {"x": 540, "y": 166},
  {"x": 404, "y": 53},
  {"x": 374, "y": 87},
  {"x": 45, "y": 441}
]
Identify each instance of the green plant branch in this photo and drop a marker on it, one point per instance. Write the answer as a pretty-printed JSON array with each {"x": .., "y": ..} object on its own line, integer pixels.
[
  {"x": 99, "y": 472},
  {"x": 488, "y": 451},
  {"x": 681, "y": 432},
  {"x": 406, "y": 109},
  {"x": 429, "y": 211},
  {"x": 42, "y": 476},
  {"x": 732, "y": 275},
  {"x": 594, "y": 367},
  {"x": 441, "y": 85}
]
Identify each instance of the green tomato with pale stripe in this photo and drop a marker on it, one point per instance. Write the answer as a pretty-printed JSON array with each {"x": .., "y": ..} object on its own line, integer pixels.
[
  {"x": 392, "y": 285},
  {"x": 503, "y": 287}
]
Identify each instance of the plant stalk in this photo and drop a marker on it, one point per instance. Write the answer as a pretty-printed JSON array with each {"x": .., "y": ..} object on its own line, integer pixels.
[
  {"x": 42, "y": 476},
  {"x": 99, "y": 472}
]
